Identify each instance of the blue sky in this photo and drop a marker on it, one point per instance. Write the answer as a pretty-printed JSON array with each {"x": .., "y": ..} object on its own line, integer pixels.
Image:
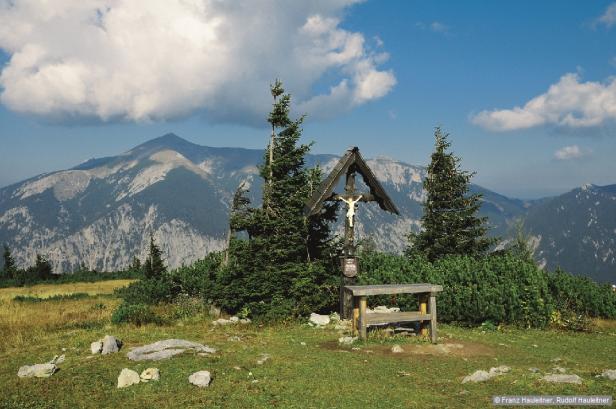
[{"x": 376, "y": 74}]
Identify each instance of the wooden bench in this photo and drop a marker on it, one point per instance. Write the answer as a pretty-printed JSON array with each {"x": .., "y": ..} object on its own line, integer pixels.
[{"x": 427, "y": 306}]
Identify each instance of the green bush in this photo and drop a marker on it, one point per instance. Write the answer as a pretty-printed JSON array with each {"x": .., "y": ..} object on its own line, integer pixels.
[
  {"x": 580, "y": 295},
  {"x": 59, "y": 297},
  {"x": 148, "y": 291},
  {"x": 138, "y": 314}
]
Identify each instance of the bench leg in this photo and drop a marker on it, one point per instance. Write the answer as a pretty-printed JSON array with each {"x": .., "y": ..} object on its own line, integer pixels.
[
  {"x": 423, "y": 307},
  {"x": 363, "y": 302},
  {"x": 433, "y": 318},
  {"x": 355, "y": 324}
]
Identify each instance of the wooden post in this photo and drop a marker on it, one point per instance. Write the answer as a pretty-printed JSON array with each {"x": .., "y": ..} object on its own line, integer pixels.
[
  {"x": 423, "y": 310},
  {"x": 363, "y": 302},
  {"x": 355, "y": 316},
  {"x": 433, "y": 318},
  {"x": 346, "y": 299}
]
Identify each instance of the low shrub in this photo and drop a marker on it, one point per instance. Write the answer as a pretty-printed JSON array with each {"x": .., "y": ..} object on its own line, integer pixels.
[
  {"x": 137, "y": 314},
  {"x": 59, "y": 297}
]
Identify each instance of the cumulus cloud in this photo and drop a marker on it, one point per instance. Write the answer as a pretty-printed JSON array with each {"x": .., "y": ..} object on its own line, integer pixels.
[
  {"x": 608, "y": 18},
  {"x": 571, "y": 152},
  {"x": 118, "y": 60},
  {"x": 568, "y": 103}
]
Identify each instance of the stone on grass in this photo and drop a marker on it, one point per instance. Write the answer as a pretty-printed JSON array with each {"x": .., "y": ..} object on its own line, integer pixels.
[
  {"x": 37, "y": 371},
  {"x": 562, "y": 378},
  {"x": 263, "y": 359},
  {"x": 128, "y": 377},
  {"x": 334, "y": 316},
  {"x": 110, "y": 345},
  {"x": 234, "y": 319},
  {"x": 222, "y": 321},
  {"x": 200, "y": 379},
  {"x": 559, "y": 369},
  {"x": 533, "y": 370},
  {"x": 397, "y": 349},
  {"x": 346, "y": 340},
  {"x": 609, "y": 374},
  {"x": 500, "y": 370},
  {"x": 245, "y": 321},
  {"x": 318, "y": 319},
  {"x": 477, "y": 376},
  {"x": 166, "y": 349},
  {"x": 96, "y": 347},
  {"x": 57, "y": 359},
  {"x": 150, "y": 374}
]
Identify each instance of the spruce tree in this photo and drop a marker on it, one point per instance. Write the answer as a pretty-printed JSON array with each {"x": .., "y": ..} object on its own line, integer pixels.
[
  {"x": 9, "y": 269},
  {"x": 450, "y": 224},
  {"x": 154, "y": 267},
  {"x": 42, "y": 268}
]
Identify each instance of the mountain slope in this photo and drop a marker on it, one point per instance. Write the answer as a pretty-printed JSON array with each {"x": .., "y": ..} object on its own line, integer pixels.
[{"x": 101, "y": 212}]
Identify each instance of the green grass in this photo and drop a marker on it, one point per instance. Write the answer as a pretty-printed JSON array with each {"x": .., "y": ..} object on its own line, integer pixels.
[{"x": 320, "y": 374}]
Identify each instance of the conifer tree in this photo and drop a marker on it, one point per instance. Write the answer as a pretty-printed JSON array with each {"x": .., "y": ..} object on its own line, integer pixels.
[
  {"x": 42, "y": 268},
  {"x": 154, "y": 267},
  {"x": 450, "y": 224},
  {"x": 9, "y": 268},
  {"x": 135, "y": 265}
]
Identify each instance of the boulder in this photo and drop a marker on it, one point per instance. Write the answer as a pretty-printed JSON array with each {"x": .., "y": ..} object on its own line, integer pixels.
[
  {"x": 222, "y": 321},
  {"x": 318, "y": 319},
  {"x": 609, "y": 374},
  {"x": 562, "y": 378},
  {"x": 166, "y": 349},
  {"x": 96, "y": 347},
  {"x": 150, "y": 374},
  {"x": 37, "y": 370},
  {"x": 127, "y": 378},
  {"x": 110, "y": 345},
  {"x": 57, "y": 359},
  {"x": 500, "y": 370},
  {"x": 200, "y": 379}
]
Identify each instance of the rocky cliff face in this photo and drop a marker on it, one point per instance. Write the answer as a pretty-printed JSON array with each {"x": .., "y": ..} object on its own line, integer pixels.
[{"x": 101, "y": 212}]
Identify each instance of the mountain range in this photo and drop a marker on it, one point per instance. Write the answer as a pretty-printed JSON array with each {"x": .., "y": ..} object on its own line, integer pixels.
[{"x": 101, "y": 212}]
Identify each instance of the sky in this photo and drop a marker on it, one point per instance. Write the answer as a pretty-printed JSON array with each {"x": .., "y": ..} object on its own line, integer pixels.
[{"x": 526, "y": 89}]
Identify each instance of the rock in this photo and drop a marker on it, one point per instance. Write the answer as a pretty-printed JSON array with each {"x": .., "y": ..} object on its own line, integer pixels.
[
  {"x": 609, "y": 374},
  {"x": 166, "y": 349},
  {"x": 477, "y": 376},
  {"x": 200, "y": 379},
  {"x": 222, "y": 321},
  {"x": 561, "y": 378},
  {"x": 128, "y": 377},
  {"x": 57, "y": 359},
  {"x": 500, "y": 370},
  {"x": 214, "y": 311},
  {"x": 234, "y": 338},
  {"x": 334, "y": 316},
  {"x": 245, "y": 321},
  {"x": 533, "y": 370},
  {"x": 397, "y": 349},
  {"x": 37, "y": 370},
  {"x": 150, "y": 374},
  {"x": 110, "y": 345},
  {"x": 96, "y": 347},
  {"x": 559, "y": 369},
  {"x": 302, "y": 343},
  {"x": 384, "y": 309},
  {"x": 234, "y": 319},
  {"x": 263, "y": 359},
  {"x": 319, "y": 320},
  {"x": 346, "y": 340}
]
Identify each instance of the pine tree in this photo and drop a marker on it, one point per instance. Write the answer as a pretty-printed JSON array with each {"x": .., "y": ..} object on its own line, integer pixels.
[
  {"x": 450, "y": 224},
  {"x": 9, "y": 269},
  {"x": 154, "y": 267},
  {"x": 42, "y": 268},
  {"x": 135, "y": 264}
]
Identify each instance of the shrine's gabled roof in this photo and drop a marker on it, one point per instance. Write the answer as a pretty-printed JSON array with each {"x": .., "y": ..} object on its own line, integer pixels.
[{"x": 351, "y": 160}]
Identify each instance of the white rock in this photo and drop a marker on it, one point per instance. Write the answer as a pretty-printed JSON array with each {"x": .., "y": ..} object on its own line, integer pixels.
[
  {"x": 37, "y": 371},
  {"x": 110, "y": 345},
  {"x": 500, "y": 370},
  {"x": 334, "y": 316},
  {"x": 384, "y": 309},
  {"x": 477, "y": 376},
  {"x": 609, "y": 374},
  {"x": 127, "y": 377},
  {"x": 561, "y": 378},
  {"x": 166, "y": 349},
  {"x": 96, "y": 347},
  {"x": 57, "y": 359},
  {"x": 263, "y": 359},
  {"x": 200, "y": 379},
  {"x": 234, "y": 319},
  {"x": 222, "y": 321},
  {"x": 397, "y": 349},
  {"x": 245, "y": 321},
  {"x": 346, "y": 340},
  {"x": 150, "y": 374},
  {"x": 318, "y": 319}
]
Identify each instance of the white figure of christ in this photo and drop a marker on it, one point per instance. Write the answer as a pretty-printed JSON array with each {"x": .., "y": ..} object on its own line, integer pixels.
[{"x": 351, "y": 201}]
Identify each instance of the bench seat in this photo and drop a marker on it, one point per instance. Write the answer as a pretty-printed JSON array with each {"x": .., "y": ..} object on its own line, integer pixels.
[{"x": 381, "y": 318}]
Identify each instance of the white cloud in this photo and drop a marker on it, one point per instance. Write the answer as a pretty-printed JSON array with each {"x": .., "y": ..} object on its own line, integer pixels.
[
  {"x": 608, "y": 18},
  {"x": 571, "y": 152},
  {"x": 161, "y": 59},
  {"x": 568, "y": 103}
]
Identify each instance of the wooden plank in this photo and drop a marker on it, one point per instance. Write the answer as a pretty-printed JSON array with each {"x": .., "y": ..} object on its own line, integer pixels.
[
  {"x": 355, "y": 315},
  {"x": 361, "y": 290},
  {"x": 381, "y": 318},
  {"x": 325, "y": 189},
  {"x": 432, "y": 310},
  {"x": 363, "y": 324}
]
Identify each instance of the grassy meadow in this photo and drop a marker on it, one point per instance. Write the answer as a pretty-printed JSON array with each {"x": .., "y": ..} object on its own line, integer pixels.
[{"x": 307, "y": 368}]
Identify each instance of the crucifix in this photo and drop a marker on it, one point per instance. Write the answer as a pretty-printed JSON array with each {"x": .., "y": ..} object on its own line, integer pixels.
[{"x": 349, "y": 165}]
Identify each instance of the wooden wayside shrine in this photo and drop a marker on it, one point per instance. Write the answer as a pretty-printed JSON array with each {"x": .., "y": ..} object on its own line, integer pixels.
[{"x": 349, "y": 165}]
